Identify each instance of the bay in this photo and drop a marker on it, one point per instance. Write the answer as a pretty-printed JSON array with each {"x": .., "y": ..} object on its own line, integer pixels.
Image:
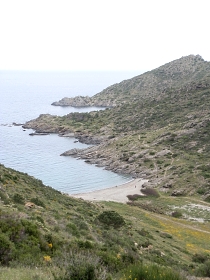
[{"x": 26, "y": 95}]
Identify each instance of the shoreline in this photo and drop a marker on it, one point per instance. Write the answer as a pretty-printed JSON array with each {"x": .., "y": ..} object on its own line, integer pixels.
[{"x": 116, "y": 194}]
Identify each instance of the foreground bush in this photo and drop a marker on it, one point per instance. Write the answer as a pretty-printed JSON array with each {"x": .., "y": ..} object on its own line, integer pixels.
[
  {"x": 21, "y": 241},
  {"x": 148, "y": 272},
  {"x": 204, "y": 269},
  {"x": 80, "y": 265}
]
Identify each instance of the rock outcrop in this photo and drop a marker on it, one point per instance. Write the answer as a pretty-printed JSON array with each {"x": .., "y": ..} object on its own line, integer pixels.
[
  {"x": 82, "y": 101},
  {"x": 78, "y": 101}
]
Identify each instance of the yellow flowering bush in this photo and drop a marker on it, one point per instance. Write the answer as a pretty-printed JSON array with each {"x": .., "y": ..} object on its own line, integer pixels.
[{"x": 47, "y": 259}]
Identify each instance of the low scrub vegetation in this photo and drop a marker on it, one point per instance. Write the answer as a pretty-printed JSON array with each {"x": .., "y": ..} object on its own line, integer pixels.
[
  {"x": 68, "y": 238},
  {"x": 176, "y": 214},
  {"x": 149, "y": 272}
]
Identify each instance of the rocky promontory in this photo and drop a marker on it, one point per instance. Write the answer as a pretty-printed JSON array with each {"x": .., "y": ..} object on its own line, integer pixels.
[
  {"x": 99, "y": 153},
  {"x": 101, "y": 157},
  {"x": 78, "y": 101},
  {"x": 82, "y": 101},
  {"x": 48, "y": 124}
]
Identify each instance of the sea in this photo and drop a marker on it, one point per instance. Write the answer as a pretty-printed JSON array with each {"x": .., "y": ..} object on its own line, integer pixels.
[{"x": 24, "y": 95}]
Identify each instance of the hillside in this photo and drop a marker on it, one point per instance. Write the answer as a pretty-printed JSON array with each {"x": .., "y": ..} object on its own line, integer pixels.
[
  {"x": 157, "y": 129},
  {"x": 185, "y": 74},
  {"x": 45, "y": 234}
]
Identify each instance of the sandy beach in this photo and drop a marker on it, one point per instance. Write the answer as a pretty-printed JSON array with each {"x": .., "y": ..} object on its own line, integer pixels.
[{"x": 117, "y": 193}]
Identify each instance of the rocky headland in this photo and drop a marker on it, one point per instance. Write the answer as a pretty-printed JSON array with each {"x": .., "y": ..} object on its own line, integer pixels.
[{"x": 82, "y": 101}]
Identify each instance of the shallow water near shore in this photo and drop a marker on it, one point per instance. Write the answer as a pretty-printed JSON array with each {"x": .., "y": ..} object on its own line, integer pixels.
[{"x": 25, "y": 95}]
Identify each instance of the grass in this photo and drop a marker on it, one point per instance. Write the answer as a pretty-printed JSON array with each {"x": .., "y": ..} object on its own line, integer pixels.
[
  {"x": 25, "y": 273},
  {"x": 186, "y": 237},
  {"x": 150, "y": 271}
]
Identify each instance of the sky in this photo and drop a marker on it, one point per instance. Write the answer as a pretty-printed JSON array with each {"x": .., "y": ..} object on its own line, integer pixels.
[{"x": 101, "y": 35}]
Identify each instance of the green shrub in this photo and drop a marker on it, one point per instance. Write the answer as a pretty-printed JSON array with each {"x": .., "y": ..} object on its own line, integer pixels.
[
  {"x": 111, "y": 218},
  {"x": 85, "y": 272},
  {"x": 20, "y": 241},
  {"x": 79, "y": 265},
  {"x": 204, "y": 269},
  {"x": 199, "y": 258},
  {"x": 38, "y": 202},
  {"x": 111, "y": 261},
  {"x": 85, "y": 244},
  {"x": 40, "y": 219},
  {"x": 201, "y": 191},
  {"x": 72, "y": 229},
  {"x": 81, "y": 224},
  {"x": 176, "y": 214},
  {"x": 6, "y": 249},
  {"x": 17, "y": 198},
  {"x": 4, "y": 197}
]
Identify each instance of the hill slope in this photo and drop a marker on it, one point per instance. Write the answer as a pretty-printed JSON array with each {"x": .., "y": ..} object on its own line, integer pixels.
[
  {"x": 185, "y": 74},
  {"x": 48, "y": 235}
]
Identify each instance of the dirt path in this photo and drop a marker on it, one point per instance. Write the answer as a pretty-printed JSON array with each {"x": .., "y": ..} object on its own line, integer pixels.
[{"x": 158, "y": 216}]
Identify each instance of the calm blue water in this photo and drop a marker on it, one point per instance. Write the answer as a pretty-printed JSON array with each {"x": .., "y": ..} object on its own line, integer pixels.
[{"x": 26, "y": 95}]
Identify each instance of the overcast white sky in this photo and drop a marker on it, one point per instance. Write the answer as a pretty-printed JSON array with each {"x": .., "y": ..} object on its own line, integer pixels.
[{"x": 101, "y": 34}]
